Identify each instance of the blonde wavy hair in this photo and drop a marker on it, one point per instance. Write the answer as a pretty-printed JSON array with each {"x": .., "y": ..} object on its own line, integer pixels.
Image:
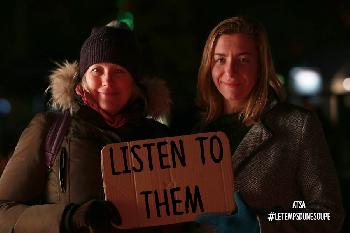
[{"x": 210, "y": 99}]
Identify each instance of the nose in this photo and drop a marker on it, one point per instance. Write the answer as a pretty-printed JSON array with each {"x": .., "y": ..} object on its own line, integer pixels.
[
  {"x": 230, "y": 69},
  {"x": 106, "y": 79}
]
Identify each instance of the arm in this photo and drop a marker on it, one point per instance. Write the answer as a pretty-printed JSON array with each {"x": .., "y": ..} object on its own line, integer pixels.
[
  {"x": 317, "y": 176},
  {"x": 318, "y": 184},
  {"x": 23, "y": 183}
]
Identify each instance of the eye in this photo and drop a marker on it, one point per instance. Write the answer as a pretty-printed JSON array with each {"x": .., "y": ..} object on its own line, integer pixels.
[
  {"x": 244, "y": 59},
  {"x": 119, "y": 71},
  {"x": 96, "y": 71},
  {"x": 219, "y": 60}
]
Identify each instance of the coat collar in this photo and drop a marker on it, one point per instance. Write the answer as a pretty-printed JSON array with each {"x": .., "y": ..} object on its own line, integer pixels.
[{"x": 256, "y": 137}]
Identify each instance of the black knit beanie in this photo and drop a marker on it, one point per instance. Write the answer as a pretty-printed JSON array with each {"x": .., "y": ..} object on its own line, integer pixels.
[{"x": 111, "y": 45}]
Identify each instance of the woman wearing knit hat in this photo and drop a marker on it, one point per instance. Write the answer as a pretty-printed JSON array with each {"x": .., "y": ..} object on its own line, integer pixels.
[{"x": 106, "y": 101}]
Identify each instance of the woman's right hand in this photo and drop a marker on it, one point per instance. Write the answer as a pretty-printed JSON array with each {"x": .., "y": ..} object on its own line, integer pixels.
[
  {"x": 243, "y": 220},
  {"x": 93, "y": 216}
]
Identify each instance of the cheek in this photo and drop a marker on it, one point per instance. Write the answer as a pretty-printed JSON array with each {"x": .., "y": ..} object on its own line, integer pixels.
[
  {"x": 92, "y": 84},
  {"x": 252, "y": 78},
  {"x": 215, "y": 74},
  {"x": 126, "y": 85}
]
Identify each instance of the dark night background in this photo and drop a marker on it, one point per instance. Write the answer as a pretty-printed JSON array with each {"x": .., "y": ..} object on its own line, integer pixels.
[{"x": 36, "y": 34}]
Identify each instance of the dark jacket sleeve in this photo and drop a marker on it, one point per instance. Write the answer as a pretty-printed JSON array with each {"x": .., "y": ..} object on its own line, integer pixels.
[
  {"x": 318, "y": 182},
  {"x": 22, "y": 185}
]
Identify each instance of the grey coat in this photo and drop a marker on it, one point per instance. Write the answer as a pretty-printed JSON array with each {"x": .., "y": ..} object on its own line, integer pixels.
[{"x": 285, "y": 158}]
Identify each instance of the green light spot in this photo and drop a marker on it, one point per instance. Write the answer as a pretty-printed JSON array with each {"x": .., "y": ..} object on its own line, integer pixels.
[
  {"x": 281, "y": 78},
  {"x": 127, "y": 18}
]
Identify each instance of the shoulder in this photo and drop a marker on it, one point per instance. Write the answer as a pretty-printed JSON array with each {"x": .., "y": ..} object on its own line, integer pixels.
[
  {"x": 41, "y": 120},
  {"x": 289, "y": 117},
  {"x": 31, "y": 140},
  {"x": 286, "y": 112}
]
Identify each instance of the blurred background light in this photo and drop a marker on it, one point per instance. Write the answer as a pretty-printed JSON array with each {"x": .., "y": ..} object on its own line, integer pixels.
[
  {"x": 305, "y": 81},
  {"x": 127, "y": 18},
  {"x": 5, "y": 106},
  {"x": 346, "y": 84},
  {"x": 340, "y": 84}
]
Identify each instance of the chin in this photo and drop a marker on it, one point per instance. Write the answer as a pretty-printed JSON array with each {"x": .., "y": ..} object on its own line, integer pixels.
[
  {"x": 111, "y": 111},
  {"x": 233, "y": 98}
]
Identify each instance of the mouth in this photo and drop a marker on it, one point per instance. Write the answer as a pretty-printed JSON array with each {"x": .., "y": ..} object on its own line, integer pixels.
[
  {"x": 231, "y": 84},
  {"x": 108, "y": 93}
]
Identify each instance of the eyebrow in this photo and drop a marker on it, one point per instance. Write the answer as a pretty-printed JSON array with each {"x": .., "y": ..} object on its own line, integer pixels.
[{"x": 224, "y": 55}]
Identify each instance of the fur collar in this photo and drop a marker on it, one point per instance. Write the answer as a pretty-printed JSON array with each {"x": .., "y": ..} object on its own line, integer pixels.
[{"x": 64, "y": 77}]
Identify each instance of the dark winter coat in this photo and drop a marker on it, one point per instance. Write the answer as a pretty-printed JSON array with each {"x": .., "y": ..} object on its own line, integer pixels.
[{"x": 31, "y": 196}]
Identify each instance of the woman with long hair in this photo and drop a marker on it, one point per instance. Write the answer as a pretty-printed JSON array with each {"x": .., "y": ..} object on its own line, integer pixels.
[{"x": 279, "y": 151}]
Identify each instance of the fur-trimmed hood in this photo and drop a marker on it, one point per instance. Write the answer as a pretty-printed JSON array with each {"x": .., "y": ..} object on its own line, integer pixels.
[{"x": 62, "y": 88}]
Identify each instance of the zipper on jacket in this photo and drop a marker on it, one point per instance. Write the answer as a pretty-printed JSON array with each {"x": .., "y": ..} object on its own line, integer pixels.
[{"x": 62, "y": 169}]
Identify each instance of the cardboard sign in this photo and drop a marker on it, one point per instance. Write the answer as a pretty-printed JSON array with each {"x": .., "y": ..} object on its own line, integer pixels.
[{"x": 169, "y": 180}]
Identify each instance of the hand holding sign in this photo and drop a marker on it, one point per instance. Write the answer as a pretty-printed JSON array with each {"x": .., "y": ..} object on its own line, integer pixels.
[
  {"x": 169, "y": 180},
  {"x": 93, "y": 215},
  {"x": 242, "y": 220}
]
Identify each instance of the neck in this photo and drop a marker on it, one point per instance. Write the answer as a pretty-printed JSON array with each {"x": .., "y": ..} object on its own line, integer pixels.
[{"x": 232, "y": 106}]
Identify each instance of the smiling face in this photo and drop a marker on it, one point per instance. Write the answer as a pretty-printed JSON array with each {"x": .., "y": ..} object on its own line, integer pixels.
[
  {"x": 110, "y": 85},
  {"x": 235, "y": 69}
]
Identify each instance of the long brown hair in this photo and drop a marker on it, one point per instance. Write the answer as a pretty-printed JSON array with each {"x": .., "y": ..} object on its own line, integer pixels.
[{"x": 210, "y": 99}]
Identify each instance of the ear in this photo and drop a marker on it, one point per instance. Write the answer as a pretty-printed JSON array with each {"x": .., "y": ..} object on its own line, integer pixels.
[{"x": 79, "y": 90}]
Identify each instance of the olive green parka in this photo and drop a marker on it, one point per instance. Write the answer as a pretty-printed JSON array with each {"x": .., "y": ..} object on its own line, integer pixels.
[{"x": 32, "y": 199}]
